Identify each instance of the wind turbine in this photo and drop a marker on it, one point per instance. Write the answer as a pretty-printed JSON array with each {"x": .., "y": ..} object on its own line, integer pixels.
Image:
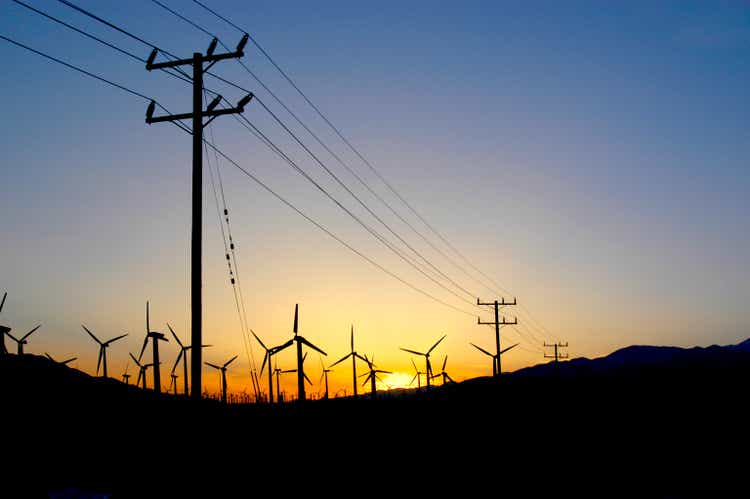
[
  {"x": 354, "y": 355},
  {"x": 372, "y": 376},
  {"x": 173, "y": 383},
  {"x": 324, "y": 374},
  {"x": 300, "y": 360},
  {"x": 125, "y": 375},
  {"x": 223, "y": 370},
  {"x": 3, "y": 329},
  {"x": 182, "y": 355},
  {"x": 156, "y": 337},
  {"x": 278, "y": 372},
  {"x": 417, "y": 376},
  {"x": 270, "y": 352},
  {"x": 142, "y": 368},
  {"x": 103, "y": 349},
  {"x": 426, "y": 356},
  {"x": 22, "y": 341},
  {"x": 64, "y": 362},
  {"x": 493, "y": 356},
  {"x": 446, "y": 377}
]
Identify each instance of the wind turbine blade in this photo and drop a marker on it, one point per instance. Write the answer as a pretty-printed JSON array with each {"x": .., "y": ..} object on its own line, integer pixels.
[
  {"x": 2, "y": 303},
  {"x": 134, "y": 359},
  {"x": 231, "y": 360},
  {"x": 140, "y": 375},
  {"x": 281, "y": 347},
  {"x": 481, "y": 350},
  {"x": 213, "y": 365},
  {"x": 352, "y": 337},
  {"x": 412, "y": 351},
  {"x": 307, "y": 379},
  {"x": 148, "y": 325},
  {"x": 176, "y": 362},
  {"x": 109, "y": 342},
  {"x": 49, "y": 357},
  {"x": 342, "y": 359},
  {"x": 261, "y": 343},
  {"x": 143, "y": 348},
  {"x": 91, "y": 334},
  {"x": 30, "y": 332},
  {"x": 175, "y": 336},
  {"x": 361, "y": 358},
  {"x": 383, "y": 372},
  {"x": 303, "y": 340},
  {"x": 445, "y": 361},
  {"x": 367, "y": 379},
  {"x": 289, "y": 371},
  {"x": 304, "y": 358},
  {"x": 265, "y": 358},
  {"x": 508, "y": 348},
  {"x": 67, "y": 361},
  {"x": 12, "y": 337},
  {"x": 413, "y": 379},
  {"x": 99, "y": 361},
  {"x": 415, "y": 366},
  {"x": 436, "y": 344},
  {"x": 296, "y": 315},
  {"x": 449, "y": 378}
]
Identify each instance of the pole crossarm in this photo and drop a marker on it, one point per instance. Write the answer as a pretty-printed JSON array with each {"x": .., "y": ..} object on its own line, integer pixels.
[{"x": 503, "y": 322}]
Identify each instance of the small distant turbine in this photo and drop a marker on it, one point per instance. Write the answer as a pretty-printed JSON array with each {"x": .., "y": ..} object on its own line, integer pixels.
[
  {"x": 300, "y": 360},
  {"x": 354, "y": 355},
  {"x": 142, "y": 368},
  {"x": 324, "y": 375},
  {"x": 223, "y": 370},
  {"x": 64, "y": 362},
  {"x": 493, "y": 356},
  {"x": 372, "y": 376},
  {"x": 156, "y": 337},
  {"x": 417, "y": 376},
  {"x": 426, "y": 356},
  {"x": 446, "y": 377},
  {"x": 270, "y": 352},
  {"x": 21, "y": 341},
  {"x": 182, "y": 355},
  {"x": 173, "y": 383},
  {"x": 102, "y": 350}
]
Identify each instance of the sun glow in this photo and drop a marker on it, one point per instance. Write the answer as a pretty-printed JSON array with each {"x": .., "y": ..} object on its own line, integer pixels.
[{"x": 394, "y": 380}]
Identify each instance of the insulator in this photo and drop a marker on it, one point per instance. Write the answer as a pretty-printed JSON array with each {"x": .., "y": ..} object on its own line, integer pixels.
[
  {"x": 227, "y": 256},
  {"x": 232, "y": 280},
  {"x": 226, "y": 212},
  {"x": 231, "y": 245}
]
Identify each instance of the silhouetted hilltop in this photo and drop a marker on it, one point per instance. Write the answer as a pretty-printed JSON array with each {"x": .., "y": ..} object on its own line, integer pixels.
[
  {"x": 635, "y": 360},
  {"x": 665, "y": 408}
]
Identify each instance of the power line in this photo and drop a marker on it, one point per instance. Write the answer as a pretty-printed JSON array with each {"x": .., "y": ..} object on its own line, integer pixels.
[
  {"x": 95, "y": 38},
  {"x": 369, "y": 229},
  {"x": 91, "y": 75},
  {"x": 372, "y": 167},
  {"x": 329, "y": 150},
  {"x": 335, "y": 237}
]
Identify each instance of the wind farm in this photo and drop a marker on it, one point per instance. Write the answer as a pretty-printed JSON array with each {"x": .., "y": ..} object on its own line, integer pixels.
[{"x": 551, "y": 196}]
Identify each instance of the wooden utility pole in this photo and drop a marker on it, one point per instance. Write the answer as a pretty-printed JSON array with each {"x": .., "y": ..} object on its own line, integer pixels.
[
  {"x": 197, "y": 62},
  {"x": 557, "y": 355},
  {"x": 496, "y": 371}
]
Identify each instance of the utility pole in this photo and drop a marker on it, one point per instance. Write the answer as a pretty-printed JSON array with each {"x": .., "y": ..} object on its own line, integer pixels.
[
  {"x": 557, "y": 355},
  {"x": 197, "y": 62},
  {"x": 496, "y": 369}
]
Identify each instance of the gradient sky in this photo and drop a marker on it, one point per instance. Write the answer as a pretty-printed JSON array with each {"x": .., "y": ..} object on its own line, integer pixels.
[{"x": 591, "y": 157}]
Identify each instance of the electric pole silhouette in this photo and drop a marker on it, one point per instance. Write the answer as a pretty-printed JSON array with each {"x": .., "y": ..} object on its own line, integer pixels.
[
  {"x": 557, "y": 355},
  {"x": 496, "y": 370},
  {"x": 197, "y": 62}
]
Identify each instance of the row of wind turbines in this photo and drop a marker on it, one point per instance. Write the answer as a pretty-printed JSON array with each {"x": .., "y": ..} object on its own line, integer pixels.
[{"x": 371, "y": 375}]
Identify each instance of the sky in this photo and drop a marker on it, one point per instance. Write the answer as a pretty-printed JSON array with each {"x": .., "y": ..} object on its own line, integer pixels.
[{"x": 589, "y": 157}]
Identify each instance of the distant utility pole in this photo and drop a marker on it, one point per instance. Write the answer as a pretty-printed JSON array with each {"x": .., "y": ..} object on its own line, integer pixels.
[
  {"x": 496, "y": 370},
  {"x": 557, "y": 355},
  {"x": 197, "y": 62}
]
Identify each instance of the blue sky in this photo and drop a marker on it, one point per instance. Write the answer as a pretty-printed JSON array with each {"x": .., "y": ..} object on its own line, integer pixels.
[{"x": 590, "y": 156}]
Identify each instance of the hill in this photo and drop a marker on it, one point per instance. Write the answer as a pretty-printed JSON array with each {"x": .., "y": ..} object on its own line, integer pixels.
[{"x": 664, "y": 411}]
